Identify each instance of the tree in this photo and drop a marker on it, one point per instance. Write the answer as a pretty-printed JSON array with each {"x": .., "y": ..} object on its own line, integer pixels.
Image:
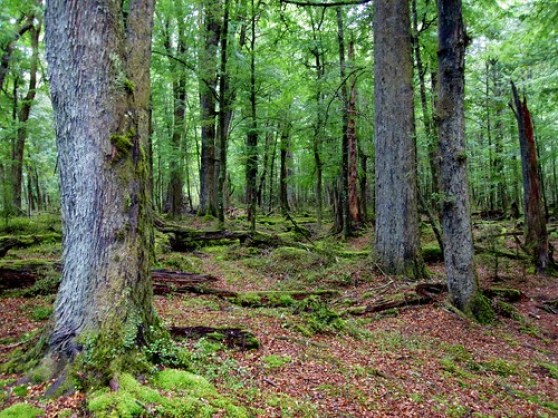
[
  {"x": 102, "y": 134},
  {"x": 536, "y": 235},
  {"x": 18, "y": 146},
  {"x": 397, "y": 234},
  {"x": 456, "y": 217}
]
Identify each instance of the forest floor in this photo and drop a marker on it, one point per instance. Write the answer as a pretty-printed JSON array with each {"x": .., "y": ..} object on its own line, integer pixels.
[{"x": 317, "y": 358}]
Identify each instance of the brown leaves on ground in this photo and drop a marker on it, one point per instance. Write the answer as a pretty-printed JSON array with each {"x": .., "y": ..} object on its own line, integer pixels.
[{"x": 417, "y": 362}]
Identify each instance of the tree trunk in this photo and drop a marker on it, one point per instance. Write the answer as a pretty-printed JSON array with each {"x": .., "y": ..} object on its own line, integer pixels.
[
  {"x": 536, "y": 236},
  {"x": 26, "y": 23},
  {"x": 456, "y": 214},
  {"x": 283, "y": 173},
  {"x": 352, "y": 169},
  {"x": 343, "y": 192},
  {"x": 23, "y": 117},
  {"x": 102, "y": 136},
  {"x": 225, "y": 112},
  {"x": 397, "y": 234},
  {"x": 208, "y": 82},
  {"x": 175, "y": 194}
]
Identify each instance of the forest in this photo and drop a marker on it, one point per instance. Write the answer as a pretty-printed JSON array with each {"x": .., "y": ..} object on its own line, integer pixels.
[{"x": 278, "y": 208}]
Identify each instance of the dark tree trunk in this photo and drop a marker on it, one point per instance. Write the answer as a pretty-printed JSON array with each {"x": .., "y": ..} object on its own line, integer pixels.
[
  {"x": 225, "y": 113},
  {"x": 208, "y": 83},
  {"x": 352, "y": 169},
  {"x": 343, "y": 191},
  {"x": 26, "y": 23},
  {"x": 536, "y": 235},
  {"x": 363, "y": 183},
  {"x": 102, "y": 136},
  {"x": 397, "y": 235},
  {"x": 23, "y": 117},
  {"x": 456, "y": 217},
  {"x": 284, "y": 172},
  {"x": 252, "y": 137}
]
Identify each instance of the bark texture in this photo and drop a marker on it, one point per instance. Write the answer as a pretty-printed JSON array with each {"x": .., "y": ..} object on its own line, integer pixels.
[
  {"x": 397, "y": 234},
  {"x": 98, "y": 57},
  {"x": 456, "y": 217}
]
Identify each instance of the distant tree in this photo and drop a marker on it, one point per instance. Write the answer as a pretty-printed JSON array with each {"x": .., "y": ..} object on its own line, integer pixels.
[{"x": 99, "y": 54}]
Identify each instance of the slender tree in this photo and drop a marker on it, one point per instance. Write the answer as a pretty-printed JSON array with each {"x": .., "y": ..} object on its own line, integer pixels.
[
  {"x": 18, "y": 148},
  {"x": 397, "y": 235},
  {"x": 102, "y": 135}
]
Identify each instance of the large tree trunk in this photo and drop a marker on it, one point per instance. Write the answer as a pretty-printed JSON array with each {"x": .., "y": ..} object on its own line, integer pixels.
[
  {"x": 99, "y": 72},
  {"x": 536, "y": 235},
  {"x": 456, "y": 217},
  {"x": 208, "y": 97},
  {"x": 397, "y": 234},
  {"x": 18, "y": 148}
]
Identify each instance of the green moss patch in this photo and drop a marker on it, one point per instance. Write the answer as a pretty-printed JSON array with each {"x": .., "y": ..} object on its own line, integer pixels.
[
  {"x": 174, "y": 393},
  {"x": 21, "y": 410}
]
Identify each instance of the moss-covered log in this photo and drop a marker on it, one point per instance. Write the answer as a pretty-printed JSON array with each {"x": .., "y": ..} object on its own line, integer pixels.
[
  {"x": 24, "y": 241},
  {"x": 231, "y": 337}
]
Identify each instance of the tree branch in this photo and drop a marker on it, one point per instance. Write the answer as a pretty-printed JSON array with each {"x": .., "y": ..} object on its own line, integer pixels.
[{"x": 328, "y": 4}]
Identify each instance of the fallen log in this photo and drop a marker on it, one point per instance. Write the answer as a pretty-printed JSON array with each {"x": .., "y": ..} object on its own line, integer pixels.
[
  {"x": 384, "y": 305},
  {"x": 8, "y": 242},
  {"x": 231, "y": 337},
  {"x": 500, "y": 253}
]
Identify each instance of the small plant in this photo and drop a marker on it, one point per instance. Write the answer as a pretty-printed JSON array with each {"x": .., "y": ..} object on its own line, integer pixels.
[
  {"x": 41, "y": 313},
  {"x": 20, "y": 391},
  {"x": 274, "y": 361}
]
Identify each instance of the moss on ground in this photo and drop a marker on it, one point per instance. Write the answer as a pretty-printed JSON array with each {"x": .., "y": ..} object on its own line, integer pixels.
[
  {"x": 21, "y": 410},
  {"x": 172, "y": 393}
]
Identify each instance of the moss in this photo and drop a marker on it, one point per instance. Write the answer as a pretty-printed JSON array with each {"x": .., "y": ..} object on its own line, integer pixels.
[
  {"x": 551, "y": 368},
  {"x": 480, "y": 309},
  {"x": 248, "y": 299},
  {"x": 275, "y": 362},
  {"x": 499, "y": 366},
  {"x": 129, "y": 85},
  {"x": 432, "y": 253},
  {"x": 186, "y": 395},
  {"x": 21, "y": 410},
  {"x": 123, "y": 143}
]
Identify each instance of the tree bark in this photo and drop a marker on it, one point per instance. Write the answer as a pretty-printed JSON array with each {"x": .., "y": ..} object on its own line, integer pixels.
[
  {"x": 536, "y": 235},
  {"x": 456, "y": 213},
  {"x": 102, "y": 137},
  {"x": 208, "y": 83},
  {"x": 397, "y": 234}
]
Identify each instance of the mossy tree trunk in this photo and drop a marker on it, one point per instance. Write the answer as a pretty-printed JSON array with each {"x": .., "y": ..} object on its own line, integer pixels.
[
  {"x": 456, "y": 217},
  {"x": 99, "y": 54},
  {"x": 397, "y": 234}
]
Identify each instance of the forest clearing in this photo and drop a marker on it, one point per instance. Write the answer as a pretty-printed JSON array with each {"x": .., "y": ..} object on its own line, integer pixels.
[
  {"x": 278, "y": 208},
  {"x": 320, "y": 354}
]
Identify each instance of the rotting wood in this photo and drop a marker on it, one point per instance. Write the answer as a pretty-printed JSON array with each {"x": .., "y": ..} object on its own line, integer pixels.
[{"x": 231, "y": 337}]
